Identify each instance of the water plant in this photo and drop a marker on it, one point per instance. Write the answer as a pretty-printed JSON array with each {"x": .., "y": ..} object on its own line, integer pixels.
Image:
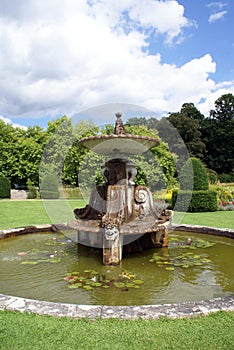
[
  {"x": 184, "y": 259},
  {"x": 91, "y": 279},
  {"x": 49, "y": 255}
]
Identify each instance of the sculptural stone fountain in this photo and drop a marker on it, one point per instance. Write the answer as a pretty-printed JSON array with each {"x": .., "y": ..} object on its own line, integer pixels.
[{"x": 120, "y": 215}]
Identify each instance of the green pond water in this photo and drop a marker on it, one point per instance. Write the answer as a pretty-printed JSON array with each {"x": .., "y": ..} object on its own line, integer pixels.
[{"x": 50, "y": 267}]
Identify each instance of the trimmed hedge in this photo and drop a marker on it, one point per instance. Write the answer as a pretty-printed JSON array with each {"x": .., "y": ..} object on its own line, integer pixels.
[
  {"x": 194, "y": 194},
  {"x": 5, "y": 187},
  {"x": 194, "y": 176},
  {"x": 196, "y": 201}
]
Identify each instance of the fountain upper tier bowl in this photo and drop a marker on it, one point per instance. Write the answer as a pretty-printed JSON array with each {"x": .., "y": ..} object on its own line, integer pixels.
[{"x": 121, "y": 144}]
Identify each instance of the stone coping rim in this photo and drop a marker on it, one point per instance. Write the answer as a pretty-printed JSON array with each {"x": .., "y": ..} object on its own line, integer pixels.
[
  {"x": 121, "y": 136},
  {"x": 146, "y": 312}
]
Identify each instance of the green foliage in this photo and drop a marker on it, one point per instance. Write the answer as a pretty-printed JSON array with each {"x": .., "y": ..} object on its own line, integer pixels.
[
  {"x": 194, "y": 184},
  {"x": 90, "y": 171},
  {"x": 76, "y": 153},
  {"x": 194, "y": 173},
  {"x": 213, "y": 177},
  {"x": 5, "y": 187},
  {"x": 187, "y": 122},
  {"x": 227, "y": 178},
  {"x": 156, "y": 168},
  {"x": 196, "y": 201},
  {"x": 49, "y": 187},
  {"x": 32, "y": 191},
  {"x": 218, "y": 135},
  {"x": 61, "y": 138},
  {"x": 70, "y": 192},
  {"x": 92, "y": 279}
]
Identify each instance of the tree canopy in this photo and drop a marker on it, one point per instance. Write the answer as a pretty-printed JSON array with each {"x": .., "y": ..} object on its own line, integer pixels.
[
  {"x": 56, "y": 150},
  {"x": 218, "y": 134}
]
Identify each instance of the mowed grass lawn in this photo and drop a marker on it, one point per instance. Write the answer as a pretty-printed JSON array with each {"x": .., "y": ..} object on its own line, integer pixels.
[
  {"x": 32, "y": 332},
  {"x": 17, "y": 213}
]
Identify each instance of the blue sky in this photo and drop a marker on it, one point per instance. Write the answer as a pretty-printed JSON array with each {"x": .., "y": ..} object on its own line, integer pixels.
[{"x": 64, "y": 57}]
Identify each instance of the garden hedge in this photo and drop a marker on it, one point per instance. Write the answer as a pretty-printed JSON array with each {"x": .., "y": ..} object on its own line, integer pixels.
[
  {"x": 194, "y": 176},
  {"x": 194, "y": 194},
  {"x": 194, "y": 201},
  {"x": 5, "y": 187}
]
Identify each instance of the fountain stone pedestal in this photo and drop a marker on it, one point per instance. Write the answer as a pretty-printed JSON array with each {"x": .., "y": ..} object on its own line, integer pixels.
[{"x": 120, "y": 215}]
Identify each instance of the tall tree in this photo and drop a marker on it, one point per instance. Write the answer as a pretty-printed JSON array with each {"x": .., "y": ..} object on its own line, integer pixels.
[
  {"x": 8, "y": 137},
  {"x": 188, "y": 124},
  {"x": 218, "y": 134}
]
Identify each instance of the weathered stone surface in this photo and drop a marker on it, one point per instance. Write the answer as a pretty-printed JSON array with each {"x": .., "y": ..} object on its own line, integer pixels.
[
  {"x": 180, "y": 310},
  {"x": 12, "y": 232},
  {"x": 225, "y": 232}
]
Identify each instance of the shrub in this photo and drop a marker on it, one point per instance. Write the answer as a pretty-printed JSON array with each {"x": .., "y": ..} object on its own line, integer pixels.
[
  {"x": 32, "y": 191},
  {"x": 196, "y": 198},
  {"x": 226, "y": 178},
  {"x": 194, "y": 170},
  {"x": 5, "y": 187},
  {"x": 196, "y": 201},
  {"x": 213, "y": 177},
  {"x": 71, "y": 193},
  {"x": 49, "y": 187}
]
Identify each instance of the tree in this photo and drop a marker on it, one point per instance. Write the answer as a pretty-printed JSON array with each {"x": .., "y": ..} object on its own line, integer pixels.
[
  {"x": 28, "y": 147},
  {"x": 60, "y": 140},
  {"x": 218, "y": 134},
  {"x": 188, "y": 123},
  {"x": 8, "y": 138},
  {"x": 76, "y": 152},
  {"x": 156, "y": 165}
]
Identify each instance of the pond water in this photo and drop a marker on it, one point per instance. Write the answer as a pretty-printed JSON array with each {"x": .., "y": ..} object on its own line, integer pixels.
[{"x": 48, "y": 266}]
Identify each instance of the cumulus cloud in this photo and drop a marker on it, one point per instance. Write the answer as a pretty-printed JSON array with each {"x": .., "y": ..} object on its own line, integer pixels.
[{"x": 61, "y": 57}]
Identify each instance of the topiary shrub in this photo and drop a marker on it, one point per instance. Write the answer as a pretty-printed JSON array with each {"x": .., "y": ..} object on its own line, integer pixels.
[
  {"x": 49, "y": 187},
  {"x": 5, "y": 187},
  {"x": 194, "y": 168},
  {"x": 194, "y": 194},
  {"x": 195, "y": 201}
]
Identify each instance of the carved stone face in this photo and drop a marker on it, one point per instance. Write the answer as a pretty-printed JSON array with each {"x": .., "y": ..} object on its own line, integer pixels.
[{"x": 111, "y": 233}]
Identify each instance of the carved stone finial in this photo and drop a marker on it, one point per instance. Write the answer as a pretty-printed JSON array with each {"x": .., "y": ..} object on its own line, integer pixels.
[{"x": 119, "y": 127}]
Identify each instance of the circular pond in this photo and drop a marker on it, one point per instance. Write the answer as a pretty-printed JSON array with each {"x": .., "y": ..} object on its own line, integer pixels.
[{"x": 48, "y": 266}]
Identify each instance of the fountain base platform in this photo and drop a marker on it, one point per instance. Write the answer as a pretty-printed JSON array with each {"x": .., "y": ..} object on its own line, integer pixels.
[{"x": 131, "y": 237}]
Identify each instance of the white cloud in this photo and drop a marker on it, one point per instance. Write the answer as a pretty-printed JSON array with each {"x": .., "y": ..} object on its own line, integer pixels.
[
  {"x": 59, "y": 57},
  {"x": 218, "y": 5},
  {"x": 216, "y": 16},
  {"x": 9, "y": 121},
  {"x": 216, "y": 8}
]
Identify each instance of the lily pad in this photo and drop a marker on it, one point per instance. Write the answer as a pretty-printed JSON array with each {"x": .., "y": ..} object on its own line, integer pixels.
[
  {"x": 119, "y": 284},
  {"x": 87, "y": 287},
  {"x": 138, "y": 282},
  {"x": 73, "y": 286},
  {"x": 29, "y": 263}
]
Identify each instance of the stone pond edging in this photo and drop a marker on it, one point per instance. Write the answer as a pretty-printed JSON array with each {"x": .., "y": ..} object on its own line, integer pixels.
[
  {"x": 178, "y": 310},
  {"x": 146, "y": 312}
]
